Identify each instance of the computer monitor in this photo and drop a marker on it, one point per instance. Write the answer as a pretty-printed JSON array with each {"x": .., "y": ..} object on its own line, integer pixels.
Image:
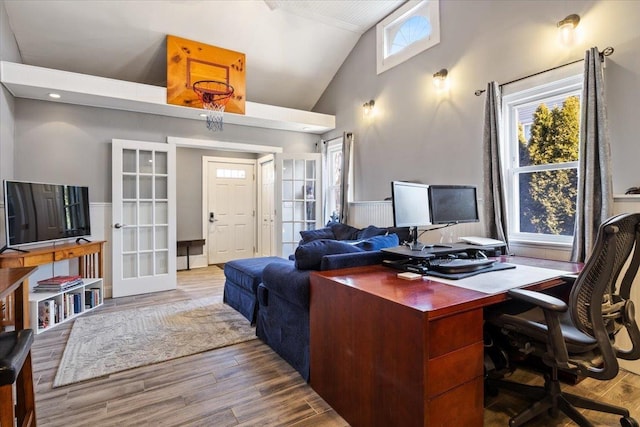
[
  {"x": 411, "y": 208},
  {"x": 452, "y": 204}
]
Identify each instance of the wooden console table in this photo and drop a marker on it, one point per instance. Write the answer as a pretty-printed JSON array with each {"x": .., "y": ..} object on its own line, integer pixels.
[
  {"x": 386, "y": 351},
  {"x": 13, "y": 282},
  {"x": 90, "y": 264}
]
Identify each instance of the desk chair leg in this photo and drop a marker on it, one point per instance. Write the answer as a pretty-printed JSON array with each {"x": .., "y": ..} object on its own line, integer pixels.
[
  {"x": 25, "y": 407},
  {"x": 582, "y": 402}
]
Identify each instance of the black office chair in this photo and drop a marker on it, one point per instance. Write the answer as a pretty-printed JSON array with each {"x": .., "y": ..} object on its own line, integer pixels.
[{"x": 578, "y": 337}]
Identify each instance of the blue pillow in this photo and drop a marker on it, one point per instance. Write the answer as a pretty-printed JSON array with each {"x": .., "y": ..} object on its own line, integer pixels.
[
  {"x": 379, "y": 242},
  {"x": 370, "y": 231},
  {"x": 309, "y": 256},
  {"x": 321, "y": 233}
]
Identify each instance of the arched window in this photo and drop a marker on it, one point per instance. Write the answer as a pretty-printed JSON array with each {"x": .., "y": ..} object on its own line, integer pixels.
[{"x": 411, "y": 29}]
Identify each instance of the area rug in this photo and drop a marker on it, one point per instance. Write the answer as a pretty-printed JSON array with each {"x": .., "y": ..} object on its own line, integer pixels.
[{"x": 102, "y": 344}]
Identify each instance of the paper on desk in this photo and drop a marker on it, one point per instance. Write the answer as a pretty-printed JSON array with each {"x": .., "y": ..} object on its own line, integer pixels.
[{"x": 494, "y": 282}]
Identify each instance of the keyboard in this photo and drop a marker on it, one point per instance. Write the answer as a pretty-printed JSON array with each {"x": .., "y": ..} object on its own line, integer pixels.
[
  {"x": 481, "y": 241},
  {"x": 453, "y": 266}
]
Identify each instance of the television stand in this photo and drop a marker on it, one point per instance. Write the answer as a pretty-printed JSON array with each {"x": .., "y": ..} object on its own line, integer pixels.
[
  {"x": 81, "y": 239},
  {"x": 8, "y": 248},
  {"x": 90, "y": 258}
]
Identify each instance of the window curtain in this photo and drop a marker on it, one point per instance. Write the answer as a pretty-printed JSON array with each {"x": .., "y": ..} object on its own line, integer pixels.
[
  {"x": 321, "y": 147},
  {"x": 495, "y": 214},
  {"x": 347, "y": 148},
  {"x": 595, "y": 191}
]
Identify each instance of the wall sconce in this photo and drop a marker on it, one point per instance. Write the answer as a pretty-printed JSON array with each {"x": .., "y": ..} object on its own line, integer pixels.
[
  {"x": 368, "y": 109},
  {"x": 440, "y": 80},
  {"x": 567, "y": 28}
]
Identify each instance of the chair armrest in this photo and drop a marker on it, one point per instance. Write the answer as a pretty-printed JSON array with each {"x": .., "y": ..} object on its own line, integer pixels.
[
  {"x": 544, "y": 301},
  {"x": 551, "y": 307}
]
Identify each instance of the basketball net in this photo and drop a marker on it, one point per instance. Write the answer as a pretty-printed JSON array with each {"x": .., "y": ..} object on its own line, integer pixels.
[{"x": 214, "y": 96}]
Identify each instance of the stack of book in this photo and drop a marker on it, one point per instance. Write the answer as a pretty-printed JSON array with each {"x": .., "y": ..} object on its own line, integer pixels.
[{"x": 57, "y": 283}]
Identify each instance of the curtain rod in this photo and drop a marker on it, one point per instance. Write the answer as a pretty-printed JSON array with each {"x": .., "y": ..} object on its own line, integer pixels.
[
  {"x": 606, "y": 52},
  {"x": 324, "y": 141}
]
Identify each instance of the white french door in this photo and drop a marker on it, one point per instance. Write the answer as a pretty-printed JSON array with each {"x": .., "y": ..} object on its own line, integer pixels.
[
  {"x": 299, "y": 198},
  {"x": 144, "y": 217},
  {"x": 266, "y": 209},
  {"x": 230, "y": 202}
]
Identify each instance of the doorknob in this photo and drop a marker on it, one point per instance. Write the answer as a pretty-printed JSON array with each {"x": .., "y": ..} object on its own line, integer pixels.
[{"x": 118, "y": 225}]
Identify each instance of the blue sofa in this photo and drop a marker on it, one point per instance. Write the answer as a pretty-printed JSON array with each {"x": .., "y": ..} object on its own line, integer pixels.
[{"x": 283, "y": 295}]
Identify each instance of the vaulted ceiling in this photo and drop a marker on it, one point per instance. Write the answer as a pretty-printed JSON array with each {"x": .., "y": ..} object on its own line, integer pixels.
[{"x": 293, "y": 47}]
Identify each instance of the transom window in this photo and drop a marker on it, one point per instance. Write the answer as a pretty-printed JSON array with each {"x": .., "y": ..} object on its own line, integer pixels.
[
  {"x": 230, "y": 173},
  {"x": 411, "y": 29},
  {"x": 542, "y": 129}
]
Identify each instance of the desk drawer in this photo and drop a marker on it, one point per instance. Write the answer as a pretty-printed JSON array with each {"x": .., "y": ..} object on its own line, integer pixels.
[
  {"x": 453, "y": 332},
  {"x": 462, "y": 406},
  {"x": 29, "y": 260},
  {"x": 459, "y": 366},
  {"x": 73, "y": 253}
]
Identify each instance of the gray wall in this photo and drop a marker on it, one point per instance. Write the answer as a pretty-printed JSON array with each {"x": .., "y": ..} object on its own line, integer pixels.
[
  {"x": 8, "y": 52},
  {"x": 421, "y": 134},
  {"x": 71, "y": 144}
]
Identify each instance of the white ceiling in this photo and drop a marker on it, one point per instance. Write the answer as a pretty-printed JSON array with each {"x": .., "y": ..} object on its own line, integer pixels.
[{"x": 293, "y": 47}]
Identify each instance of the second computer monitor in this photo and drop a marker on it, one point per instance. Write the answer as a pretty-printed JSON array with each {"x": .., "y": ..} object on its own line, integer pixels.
[{"x": 452, "y": 204}]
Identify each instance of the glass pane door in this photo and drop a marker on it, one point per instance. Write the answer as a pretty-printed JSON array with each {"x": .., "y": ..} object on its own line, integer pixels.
[
  {"x": 144, "y": 227},
  {"x": 299, "y": 187}
]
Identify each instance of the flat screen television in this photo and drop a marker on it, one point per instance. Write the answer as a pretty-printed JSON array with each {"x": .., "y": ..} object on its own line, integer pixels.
[
  {"x": 39, "y": 212},
  {"x": 410, "y": 203},
  {"x": 453, "y": 204}
]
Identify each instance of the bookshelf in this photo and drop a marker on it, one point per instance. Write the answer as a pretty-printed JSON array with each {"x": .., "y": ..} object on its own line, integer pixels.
[
  {"x": 49, "y": 309},
  {"x": 90, "y": 261}
]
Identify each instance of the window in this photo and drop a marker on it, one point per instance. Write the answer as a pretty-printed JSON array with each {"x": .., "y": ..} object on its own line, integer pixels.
[
  {"x": 542, "y": 128},
  {"x": 230, "y": 173},
  {"x": 333, "y": 180},
  {"x": 411, "y": 29}
]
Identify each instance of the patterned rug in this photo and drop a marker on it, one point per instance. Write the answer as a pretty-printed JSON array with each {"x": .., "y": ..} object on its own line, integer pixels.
[{"x": 102, "y": 344}]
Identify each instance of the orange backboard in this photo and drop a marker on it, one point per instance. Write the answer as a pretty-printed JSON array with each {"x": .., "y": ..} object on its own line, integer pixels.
[{"x": 189, "y": 61}]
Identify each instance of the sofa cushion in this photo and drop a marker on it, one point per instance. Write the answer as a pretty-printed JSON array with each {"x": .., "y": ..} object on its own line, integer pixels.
[
  {"x": 247, "y": 273},
  {"x": 376, "y": 243},
  {"x": 344, "y": 231},
  {"x": 320, "y": 233},
  {"x": 285, "y": 280},
  {"x": 309, "y": 256}
]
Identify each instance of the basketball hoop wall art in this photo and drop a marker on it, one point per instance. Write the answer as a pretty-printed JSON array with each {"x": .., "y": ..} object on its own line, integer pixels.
[{"x": 204, "y": 76}]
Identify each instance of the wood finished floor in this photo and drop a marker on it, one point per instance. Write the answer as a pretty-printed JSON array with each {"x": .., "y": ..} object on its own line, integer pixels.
[{"x": 242, "y": 385}]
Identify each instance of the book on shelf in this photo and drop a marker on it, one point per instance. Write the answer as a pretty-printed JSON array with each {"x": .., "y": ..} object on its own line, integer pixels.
[
  {"x": 58, "y": 280},
  {"x": 77, "y": 303},
  {"x": 46, "y": 313},
  {"x": 57, "y": 284},
  {"x": 91, "y": 298}
]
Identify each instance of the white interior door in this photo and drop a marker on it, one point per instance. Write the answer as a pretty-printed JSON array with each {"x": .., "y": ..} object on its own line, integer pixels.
[
  {"x": 230, "y": 209},
  {"x": 144, "y": 217},
  {"x": 266, "y": 209}
]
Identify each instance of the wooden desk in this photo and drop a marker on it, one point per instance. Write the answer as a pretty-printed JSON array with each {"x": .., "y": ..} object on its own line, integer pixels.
[
  {"x": 386, "y": 351},
  {"x": 89, "y": 255},
  {"x": 13, "y": 282}
]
